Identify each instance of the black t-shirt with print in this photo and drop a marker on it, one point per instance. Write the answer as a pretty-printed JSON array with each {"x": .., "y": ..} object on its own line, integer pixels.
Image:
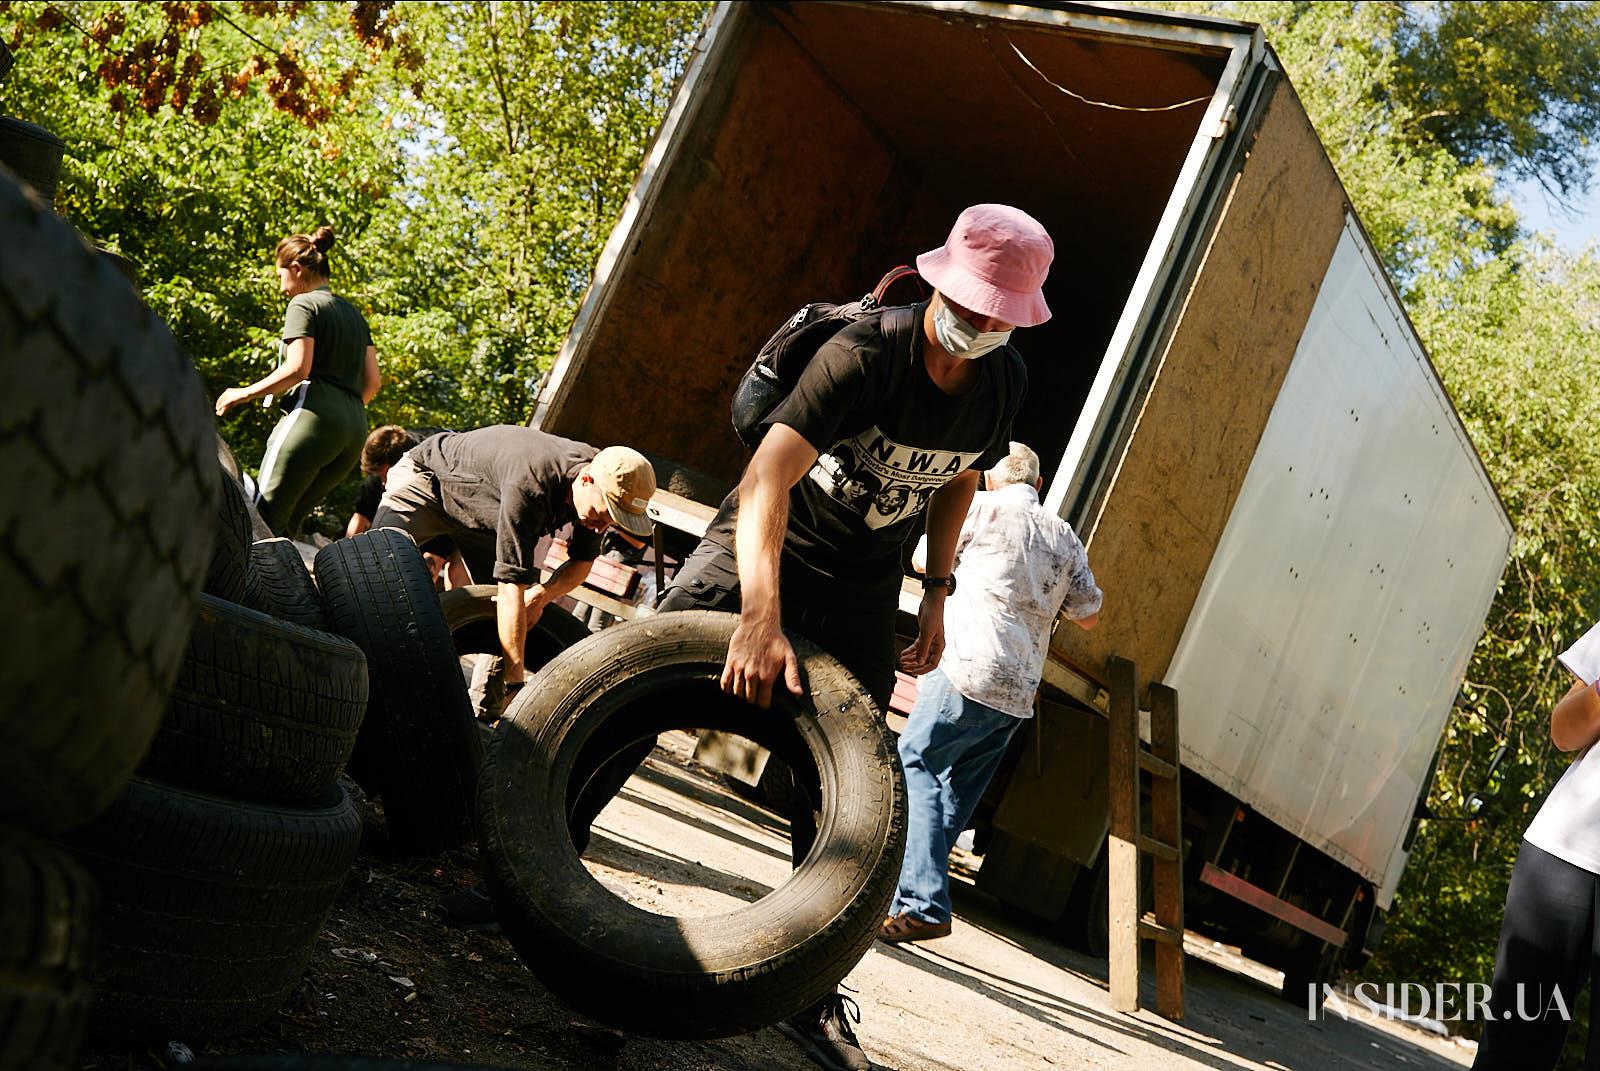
[{"x": 887, "y": 438}]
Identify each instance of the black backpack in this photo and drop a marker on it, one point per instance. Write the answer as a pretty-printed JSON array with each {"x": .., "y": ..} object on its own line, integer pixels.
[{"x": 777, "y": 367}]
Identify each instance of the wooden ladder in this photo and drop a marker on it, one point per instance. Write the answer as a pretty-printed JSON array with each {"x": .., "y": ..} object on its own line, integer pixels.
[{"x": 1164, "y": 844}]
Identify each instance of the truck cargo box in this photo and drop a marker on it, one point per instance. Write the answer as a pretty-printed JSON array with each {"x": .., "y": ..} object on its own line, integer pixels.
[{"x": 1232, "y": 408}]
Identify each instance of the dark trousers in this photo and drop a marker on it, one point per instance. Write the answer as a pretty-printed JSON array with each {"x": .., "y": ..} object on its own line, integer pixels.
[
  {"x": 1548, "y": 942},
  {"x": 864, "y": 642}
]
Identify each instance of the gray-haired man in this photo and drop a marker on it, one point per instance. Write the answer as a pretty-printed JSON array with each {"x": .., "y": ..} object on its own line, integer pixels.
[{"x": 1017, "y": 566}]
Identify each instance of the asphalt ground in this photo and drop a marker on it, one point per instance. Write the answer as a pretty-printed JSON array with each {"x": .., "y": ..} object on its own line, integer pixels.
[{"x": 996, "y": 994}]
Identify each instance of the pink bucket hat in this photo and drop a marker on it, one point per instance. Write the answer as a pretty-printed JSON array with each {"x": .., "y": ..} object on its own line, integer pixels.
[{"x": 994, "y": 263}]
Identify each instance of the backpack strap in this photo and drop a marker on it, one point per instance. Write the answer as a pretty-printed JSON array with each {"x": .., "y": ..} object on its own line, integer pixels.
[
  {"x": 899, "y": 326},
  {"x": 894, "y": 275}
]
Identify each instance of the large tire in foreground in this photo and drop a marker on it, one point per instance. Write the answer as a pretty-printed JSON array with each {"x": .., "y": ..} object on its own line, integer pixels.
[
  {"x": 419, "y": 747},
  {"x": 278, "y": 584},
  {"x": 211, "y": 907},
  {"x": 687, "y": 977},
  {"x": 263, "y": 709},
  {"x": 46, "y": 921},
  {"x": 106, "y": 441}
]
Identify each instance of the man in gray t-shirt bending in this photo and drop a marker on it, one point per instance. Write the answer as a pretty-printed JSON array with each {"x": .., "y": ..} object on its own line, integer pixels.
[{"x": 497, "y": 491}]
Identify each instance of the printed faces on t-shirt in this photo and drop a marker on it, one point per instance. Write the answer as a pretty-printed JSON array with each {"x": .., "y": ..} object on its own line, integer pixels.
[{"x": 882, "y": 481}]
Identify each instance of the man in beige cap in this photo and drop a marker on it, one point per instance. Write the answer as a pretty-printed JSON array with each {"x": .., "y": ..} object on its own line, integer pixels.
[{"x": 497, "y": 491}]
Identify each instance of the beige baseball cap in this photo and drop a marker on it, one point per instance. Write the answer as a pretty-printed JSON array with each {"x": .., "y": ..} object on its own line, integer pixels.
[{"x": 627, "y": 481}]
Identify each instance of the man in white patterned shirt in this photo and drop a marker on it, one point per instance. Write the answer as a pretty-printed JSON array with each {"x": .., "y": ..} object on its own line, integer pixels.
[{"x": 1017, "y": 567}]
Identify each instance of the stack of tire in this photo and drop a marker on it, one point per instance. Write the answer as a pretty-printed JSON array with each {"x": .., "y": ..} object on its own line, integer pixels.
[
  {"x": 221, "y": 861},
  {"x": 106, "y": 440},
  {"x": 419, "y": 749}
]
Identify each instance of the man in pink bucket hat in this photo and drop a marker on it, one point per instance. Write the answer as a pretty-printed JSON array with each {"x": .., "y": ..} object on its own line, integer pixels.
[
  {"x": 993, "y": 266},
  {"x": 883, "y": 436}
]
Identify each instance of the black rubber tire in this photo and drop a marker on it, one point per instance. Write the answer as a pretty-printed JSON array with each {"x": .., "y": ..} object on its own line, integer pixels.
[
  {"x": 230, "y": 465},
  {"x": 470, "y": 613},
  {"x": 263, "y": 709},
  {"x": 124, "y": 266},
  {"x": 46, "y": 925},
  {"x": 1085, "y": 923},
  {"x": 226, "y": 458},
  {"x": 1308, "y": 971},
  {"x": 279, "y": 584},
  {"x": 212, "y": 907},
  {"x": 33, "y": 154},
  {"x": 419, "y": 747},
  {"x": 687, "y": 977},
  {"x": 230, "y": 554},
  {"x": 108, "y": 447}
]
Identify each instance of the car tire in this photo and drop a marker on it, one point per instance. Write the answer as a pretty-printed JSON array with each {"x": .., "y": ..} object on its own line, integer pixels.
[
  {"x": 108, "y": 446},
  {"x": 279, "y": 584},
  {"x": 419, "y": 747},
  {"x": 263, "y": 709},
  {"x": 211, "y": 906},
  {"x": 687, "y": 482},
  {"x": 470, "y": 613},
  {"x": 687, "y": 977},
  {"x": 46, "y": 922},
  {"x": 227, "y": 576},
  {"x": 33, "y": 154}
]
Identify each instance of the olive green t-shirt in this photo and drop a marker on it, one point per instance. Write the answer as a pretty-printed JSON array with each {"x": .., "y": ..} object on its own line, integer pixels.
[{"x": 340, "y": 334}]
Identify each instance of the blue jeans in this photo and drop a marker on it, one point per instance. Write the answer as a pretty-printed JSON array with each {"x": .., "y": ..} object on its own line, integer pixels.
[{"x": 950, "y": 749}]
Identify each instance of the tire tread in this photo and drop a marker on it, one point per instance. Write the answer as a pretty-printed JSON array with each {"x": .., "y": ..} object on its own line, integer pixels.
[
  {"x": 419, "y": 747},
  {"x": 99, "y": 552}
]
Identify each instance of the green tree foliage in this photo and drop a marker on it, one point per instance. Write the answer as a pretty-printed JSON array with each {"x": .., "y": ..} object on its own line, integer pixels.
[
  {"x": 196, "y": 196},
  {"x": 1512, "y": 84},
  {"x": 535, "y": 122},
  {"x": 472, "y": 158}
]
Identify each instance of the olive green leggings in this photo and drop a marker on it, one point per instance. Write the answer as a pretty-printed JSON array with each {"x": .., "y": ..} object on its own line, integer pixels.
[{"x": 314, "y": 446}]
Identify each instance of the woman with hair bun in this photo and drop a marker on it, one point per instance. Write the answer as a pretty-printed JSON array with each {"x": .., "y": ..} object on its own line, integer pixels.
[{"x": 327, "y": 375}]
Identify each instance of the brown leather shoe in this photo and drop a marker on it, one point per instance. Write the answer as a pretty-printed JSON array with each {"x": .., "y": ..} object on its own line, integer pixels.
[{"x": 899, "y": 928}]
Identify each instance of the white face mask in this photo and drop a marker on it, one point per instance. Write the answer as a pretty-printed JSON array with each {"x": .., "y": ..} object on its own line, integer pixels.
[{"x": 961, "y": 339}]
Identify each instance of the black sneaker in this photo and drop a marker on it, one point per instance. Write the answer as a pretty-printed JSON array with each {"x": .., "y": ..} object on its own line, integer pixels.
[
  {"x": 469, "y": 909},
  {"x": 823, "y": 1031}
]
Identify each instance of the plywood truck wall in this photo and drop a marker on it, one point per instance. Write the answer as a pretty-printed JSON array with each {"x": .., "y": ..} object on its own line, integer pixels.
[
  {"x": 1176, "y": 484},
  {"x": 822, "y": 144},
  {"x": 1217, "y": 380}
]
